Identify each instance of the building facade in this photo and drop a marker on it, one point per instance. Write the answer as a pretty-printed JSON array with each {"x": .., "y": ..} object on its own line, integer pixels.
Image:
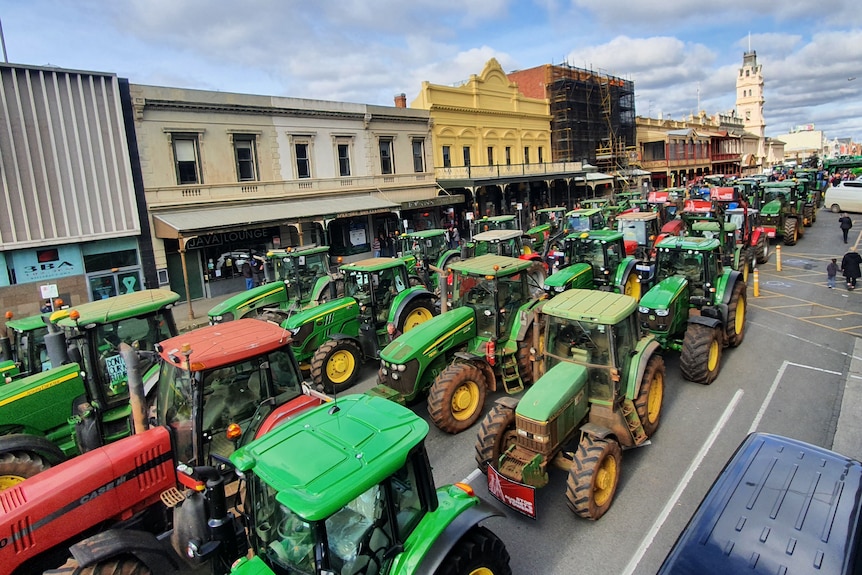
[
  {"x": 749, "y": 106},
  {"x": 72, "y": 218}
]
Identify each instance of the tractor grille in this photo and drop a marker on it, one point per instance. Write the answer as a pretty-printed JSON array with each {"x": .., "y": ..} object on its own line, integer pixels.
[
  {"x": 530, "y": 432},
  {"x": 406, "y": 380},
  {"x": 655, "y": 323}
]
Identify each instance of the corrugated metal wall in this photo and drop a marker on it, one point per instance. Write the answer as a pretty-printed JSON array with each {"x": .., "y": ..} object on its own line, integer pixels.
[{"x": 64, "y": 160}]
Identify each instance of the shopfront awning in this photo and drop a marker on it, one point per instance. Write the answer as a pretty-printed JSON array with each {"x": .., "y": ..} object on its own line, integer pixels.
[
  {"x": 595, "y": 178},
  {"x": 185, "y": 223}
]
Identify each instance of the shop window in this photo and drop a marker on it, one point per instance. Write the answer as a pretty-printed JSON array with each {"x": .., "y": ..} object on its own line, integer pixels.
[
  {"x": 447, "y": 157},
  {"x": 110, "y": 260},
  {"x": 349, "y": 237},
  {"x": 386, "y": 156},
  {"x": 418, "y": 155},
  {"x": 246, "y": 157},
  {"x": 186, "y": 155},
  {"x": 303, "y": 160}
]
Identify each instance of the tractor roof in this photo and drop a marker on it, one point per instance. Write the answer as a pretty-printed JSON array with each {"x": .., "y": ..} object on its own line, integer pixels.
[
  {"x": 116, "y": 308},
  {"x": 373, "y": 264},
  {"x": 491, "y": 265},
  {"x": 688, "y": 243},
  {"x": 224, "y": 344},
  {"x": 297, "y": 251},
  {"x": 638, "y": 216},
  {"x": 325, "y": 457},
  {"x": 781, "y": 184},
  {"x": 591, "y": 305},
  {"x": 583, "y": 212},
  {"x": 707, "y": 226},
  {"x": 548, "y": 210},
  {"x": 24, "y": 324},
  {"x": 497, "y": 235},
  {"x": 505, "y": 218},
  {"x": 605, "y": 235},
  {"x": 423, "y": 234}
]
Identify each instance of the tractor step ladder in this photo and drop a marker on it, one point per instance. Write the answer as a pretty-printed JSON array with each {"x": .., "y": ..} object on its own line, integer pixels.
[
  {"x": 633, "y": 421},
  {"x": 512, "y": 381}
]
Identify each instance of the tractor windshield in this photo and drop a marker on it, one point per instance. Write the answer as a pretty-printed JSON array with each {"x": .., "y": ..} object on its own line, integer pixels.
[
  {"x": 635, "y": 230},
  {"x": 30, "y": 350},
  {"x": 593, "y": 252},
  {"x": 686, "y": 263},
  {"x": 479, "y": 293},
  {"x": 584, "y": 343}
]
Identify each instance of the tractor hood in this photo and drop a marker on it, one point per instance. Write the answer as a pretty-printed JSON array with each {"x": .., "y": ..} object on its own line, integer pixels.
[
  {"x": 254, "y": 298},
  {"x": 574, "y": 276},
  {"x": 319, "y": 312},
  {"x": 553, "y": 391},
  {"x": 771, "y": 208},
  {"x": 664, "y": 293},
  {"x": 433, "y": 336}
]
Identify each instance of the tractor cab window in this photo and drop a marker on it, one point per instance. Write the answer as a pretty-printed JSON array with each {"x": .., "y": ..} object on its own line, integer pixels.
[
  {"x": 387, "y": 283},
  {"x": 633, "y": 230},
  {"x": 278, "y": 535},
  {"x": 580, "y": 223},
  {"x": 477, "y": 292},
  {"x": 588, "y": 252},
  {"x": 614, "y": 256},
  {"x": 358, "y": 285},
  {"x": 508, "y": 248},
  {"x": 231, "y": 394},
  {"x": 585, "y": 343},
  {"x": 310, "y": 269},
  {"x": 510, "y": 294},
  {"x": 32, "y": 355},
  {"x": 174, "y": 408},
  {"x": 285, "y": 268}
]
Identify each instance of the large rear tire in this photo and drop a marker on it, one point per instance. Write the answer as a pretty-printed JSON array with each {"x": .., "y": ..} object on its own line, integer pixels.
[
  {"x": 457, "y": 397},
  {"x": 736, "y": 310},
  {"x": 525, "y": 366},
  {"x": 478, "y": 552},
  {"x": 700, "y": 360},
  {"x": 336, "y": 364},
  {"x": 649, "y": 400},
  {"x": 117, "y": 566},
  {"x": 593, "y": 477},
  {"x": 414, "y": 313},
  {"x": 791, "y": 232},
  {"x": 17, "y": 466},
  {"x": 762, "y": 249},
  {"x": 496, "y": 433}
]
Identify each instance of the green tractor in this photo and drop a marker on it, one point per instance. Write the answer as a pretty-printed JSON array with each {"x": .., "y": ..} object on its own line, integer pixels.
[
  {"x": 332, "y": 339},
  {"x": 696, "y": 305},
  {"x": 601, "y": 391},
  {"x": 83, "y": 402},
  {"x": 596, "y": 260},
  {"x": 23, "y": 351},
  {"x": 424, "y": 252},
  {"x": 487, "y": 223},
  {"x": 548, "y": 221},
  {"x": 484, "y": 338},
  {"x": 812, "y": 197},
  {"x": 303, "y": 280},
  {"x": 586, "y": 219},
  {"x": 348, "y": 489},
  {"x": 782, "y": 210}
]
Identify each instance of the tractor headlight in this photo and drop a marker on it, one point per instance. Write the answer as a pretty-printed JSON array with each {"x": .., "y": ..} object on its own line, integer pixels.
[
  {"x": 534, "y": 437},
  {"x": 560, "y": 289},
  {"x": 662, "y": 312},
  {"x": 394, "y": 376},
  {"x": 401, "y": 367},
  {"x": 643, "y": 309},
  {"x": 384, "y": 371}
]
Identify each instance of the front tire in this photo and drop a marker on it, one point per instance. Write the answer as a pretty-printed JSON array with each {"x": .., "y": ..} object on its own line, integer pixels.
[
  {"x": 762, "y": 249},
  {"x": 593, "y": 477},
  {"x": 457, "y": 397},
  {"x": 478, "y": 552},
  {"x": 335, "y": 365},
  {"x": 414, "y": 313},
  {"x": 649, "y": 400},
  {"x": 736, "y": 310},
  {"x": 791, "y": 232},
  {"x": 700, "y": 360},
  {"x": 496, "y": 433},
  {"x": 16, "y": 466}
]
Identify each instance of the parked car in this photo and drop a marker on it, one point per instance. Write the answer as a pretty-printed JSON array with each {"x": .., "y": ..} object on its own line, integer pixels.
[
  {"x": 845, "y": 197},
  {"x": 779, "y": 506},
  {"x": 236, "y": 258}
]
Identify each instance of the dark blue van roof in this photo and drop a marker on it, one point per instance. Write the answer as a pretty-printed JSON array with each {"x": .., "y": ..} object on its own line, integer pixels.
[{"x": 780, "y": 506}]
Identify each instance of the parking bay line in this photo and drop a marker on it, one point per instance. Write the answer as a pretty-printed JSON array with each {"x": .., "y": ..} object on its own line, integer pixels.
[{"x": 683, "y": 483}]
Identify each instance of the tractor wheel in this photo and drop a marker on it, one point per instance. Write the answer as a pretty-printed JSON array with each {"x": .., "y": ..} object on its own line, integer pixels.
[
  {"x": 593, "y": 477},
  {"x": 116, "y": 566},
  {"x": 478, "y": 552},
  {"x": 791, "y": 232},
  {"x": 456, "y": 397},
  {"x": 16, "y": 466},
  {"x": 762, "y": 249},
  {"x": 649, "y": 400},
  {"x": 414, "y": 281},
  {"x": 700, "y": 360},
  {"x": 496, "y": 433},
  {"x": 525, "y": 366},
  {"x": 835, "y": 208},
  {"x": 735, "y": 323},
  {"x": 808, "y": 216},
  {"x": 336, "y": 364},
  {"x": 416, "y": 312},
  {"x": 632, "y": 286}
]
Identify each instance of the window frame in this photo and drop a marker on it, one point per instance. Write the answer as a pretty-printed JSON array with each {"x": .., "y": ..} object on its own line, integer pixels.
[
  {"x": 343, "y": 164},
  {"x": 418, "y": 154},
  {"x": 447, "y": 156},
  {"x": 386, "y": 144},
  {"x": 194, "y": 139},
  {"x": 251, "y": 140},
  {"x": 465, "y": 151}
]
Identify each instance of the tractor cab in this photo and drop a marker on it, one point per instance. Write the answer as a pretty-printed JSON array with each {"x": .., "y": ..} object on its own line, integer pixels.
[
  {"x": 426, "y": 246},
  {"x": 507, "y": 243},
  {"x": 25, "y": 353},
  {"x": 586, "y": 219},
  {"x": 374, "y": 284},
  {"x": 602, "y": 250},
  {"x": 640, "y": 230},
  {"x": 300, "y": 269},
  {"x": 506, "y": 222},
  {"x": 696, "y": 259}
]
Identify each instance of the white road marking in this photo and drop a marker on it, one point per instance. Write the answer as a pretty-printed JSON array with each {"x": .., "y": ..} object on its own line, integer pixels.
[
  {"x": 774, "y": 386},
  {"x": 683, "y": 483}
]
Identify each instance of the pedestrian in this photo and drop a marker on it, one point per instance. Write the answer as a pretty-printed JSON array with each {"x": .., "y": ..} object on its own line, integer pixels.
[
  {"x": 392, "y": 331},
  {"x": 247, "y": 274},
  {"x": 831, "y": 272},
  {"x": 447, "y": 237},
  {"x": 257, "y": 269},
  {"x": 851, "y": 265},
  {"x": 375, "y": 246},
  {"x": 46, "y": 307},
  {"x": 456, "y": 238},
  {"x": 845, "y": 223}
]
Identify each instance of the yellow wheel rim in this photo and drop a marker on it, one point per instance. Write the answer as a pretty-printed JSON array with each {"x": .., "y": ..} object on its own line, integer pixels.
[
  {"x": 340, "y": 366},
  {"x": 465, "y": 400},
  {"x": 656, "y": 393},
  {"x": 745, "y": 273},
  {"x": 739, "y": 320},
  {"x": 633, "y": 287},
  {"x": 527, "y": 250},
  {"x": 712, "y": 362},
  {"x": 606, "y": 478},
  {"x": 8, "y": 481},
  {"x": 415, "y": 317},
  {"x": 481, "y": 571}
]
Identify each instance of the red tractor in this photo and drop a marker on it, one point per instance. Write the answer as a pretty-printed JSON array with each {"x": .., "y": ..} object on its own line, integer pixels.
[{"x": 220, "y": 387}]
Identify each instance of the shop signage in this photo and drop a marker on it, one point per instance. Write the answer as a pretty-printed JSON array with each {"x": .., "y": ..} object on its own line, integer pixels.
[
  {"x": 238, "y": 236},
  {"x": 431, "y": 202},
  {"x": 45, "y": 264}
]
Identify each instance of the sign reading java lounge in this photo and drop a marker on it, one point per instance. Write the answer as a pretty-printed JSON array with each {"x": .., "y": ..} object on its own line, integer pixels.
[{"x": 230, "y": 238}]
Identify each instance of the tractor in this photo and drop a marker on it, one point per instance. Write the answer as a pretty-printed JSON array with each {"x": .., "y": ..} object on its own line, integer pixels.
[
  {"x": 640, "y": 232},
  {"x": 303, "y": 279},
  {"x": 368, "y": 503},
  {"x": 602, "y": 387},
  {"x": 23, "y": 352},
  {"x": 696, "y": 305},
  {"x": 596, "y": 260},
  {"x": 812, "y": 197},
  {"x": 220, "y": 387},
  {"x": 548, "y": 221},
  {"x": 424, "y": 252},
  {"x": 750, "y": 232},
  {"x": 782, "y": 210},
  {"x": 482, "y": 339},
  {"x": 83, "y": 402},
  {"x": 487, "y": 223},
  {"x": 586, "y": 219},
  {"x": 333, "y": 339}
]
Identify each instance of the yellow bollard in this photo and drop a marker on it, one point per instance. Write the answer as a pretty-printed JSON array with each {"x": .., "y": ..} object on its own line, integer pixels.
[
  {"x": 778, "y": 258},
  {"x": 756, "y": 283}
]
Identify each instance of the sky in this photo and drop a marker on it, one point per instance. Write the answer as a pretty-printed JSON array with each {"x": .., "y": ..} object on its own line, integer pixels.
[{"x": 682, "y": 55}]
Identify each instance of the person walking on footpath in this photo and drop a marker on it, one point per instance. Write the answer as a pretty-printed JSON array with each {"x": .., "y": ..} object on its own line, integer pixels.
[
  {"x": 850, "y": 265},
  {"x": 831, "y": 272},
  {"x": 375, "y": 246},
  {"x": 248, "y": 274},
  {"x": 846, "y": 223}
]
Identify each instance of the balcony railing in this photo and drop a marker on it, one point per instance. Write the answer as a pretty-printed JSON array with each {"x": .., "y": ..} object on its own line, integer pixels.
[{"x": 507, "y": 170}]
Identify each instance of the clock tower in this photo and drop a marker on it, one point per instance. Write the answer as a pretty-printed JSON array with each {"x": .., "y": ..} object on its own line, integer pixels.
[{"x": 749, "y": 101}]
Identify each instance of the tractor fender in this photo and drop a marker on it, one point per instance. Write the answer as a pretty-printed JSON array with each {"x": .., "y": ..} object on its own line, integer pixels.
[
  {"x": 481, "y": 365},
  {"x": 453, "y": 533},
  {"x": 141, "y": 544},
  {"x": 634, "y": 385},
  {"x": 526, "y": 317},
  {"x": 32, "y": 444},
  {"x": 704, "y": 320},
  {"x": 508, "y": 401},
  {"x": 596, "y": 430},
  {"x": 409, "y": 297}
]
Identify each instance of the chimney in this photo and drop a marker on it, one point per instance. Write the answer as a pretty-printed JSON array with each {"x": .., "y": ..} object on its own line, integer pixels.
[{"x": 401, "y": 100}]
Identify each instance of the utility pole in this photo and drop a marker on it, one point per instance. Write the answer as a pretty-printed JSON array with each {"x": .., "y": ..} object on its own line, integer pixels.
[{"x": 3, "y": 42}]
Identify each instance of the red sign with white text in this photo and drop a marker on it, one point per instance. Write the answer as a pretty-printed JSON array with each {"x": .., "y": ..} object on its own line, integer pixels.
[{"x": 518, "y": 496}]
